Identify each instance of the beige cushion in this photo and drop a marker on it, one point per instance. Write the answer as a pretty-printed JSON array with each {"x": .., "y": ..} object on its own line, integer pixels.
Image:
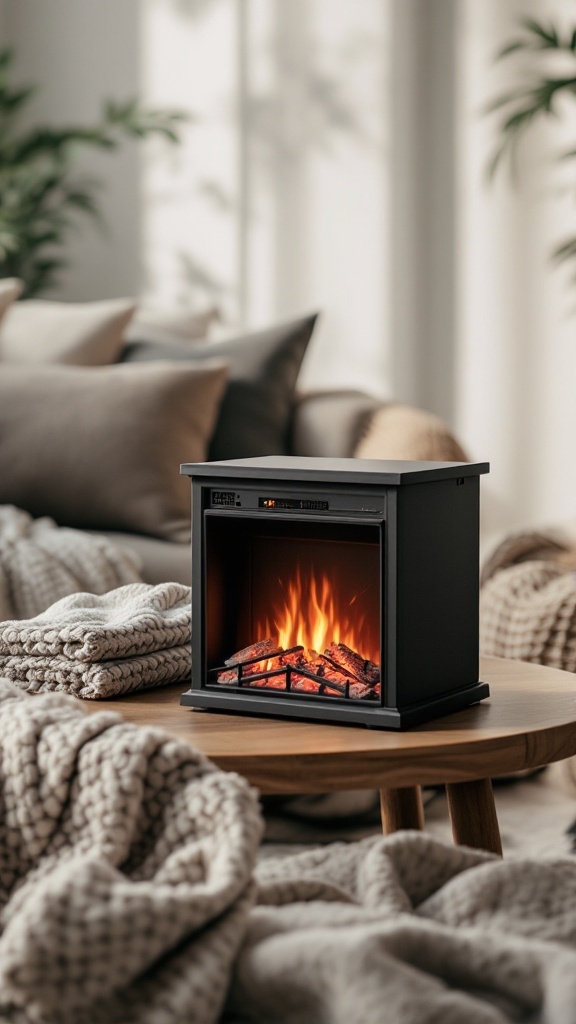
[
  {"x": 405, "y": 432},
  {"x": 152, "y": 323},
  {"x": 75, "y": 333},
  {"x": 10, "y": 289},
  {"x": 101, "y": 448}
]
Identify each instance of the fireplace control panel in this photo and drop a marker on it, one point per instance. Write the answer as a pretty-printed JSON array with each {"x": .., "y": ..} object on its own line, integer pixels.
[
  {"x": 250, "y": 499},
  {"x": 300, "y": 504}
]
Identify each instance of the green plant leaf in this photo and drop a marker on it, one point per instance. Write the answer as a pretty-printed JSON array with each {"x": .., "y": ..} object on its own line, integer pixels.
[
  {"x": 565, "y": 251},
  {"x": 548, "y": 37},
  {"x": 513, "y": 47},
  {"x": 41, "y": 199}
]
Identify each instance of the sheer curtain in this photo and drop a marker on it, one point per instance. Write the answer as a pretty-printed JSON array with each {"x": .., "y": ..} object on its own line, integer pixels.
[
  {"x": 279, "y": 203},
  {"x": 515, "y": 345}
]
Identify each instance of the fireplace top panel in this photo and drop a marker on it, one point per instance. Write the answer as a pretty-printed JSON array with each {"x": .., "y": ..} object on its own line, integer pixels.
[{"x": 352, "y": 471}]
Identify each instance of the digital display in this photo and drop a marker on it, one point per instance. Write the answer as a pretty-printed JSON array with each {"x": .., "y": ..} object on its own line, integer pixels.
[
  {"x": 301, "y": 504},
  {"x": 223, "y": 498}
]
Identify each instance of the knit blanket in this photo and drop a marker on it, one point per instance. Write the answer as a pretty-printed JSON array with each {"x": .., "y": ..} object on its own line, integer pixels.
[
  {"x": 528, "y": 602},
  {"x": 129, "y": 620},
  {"x": 125, "y": 869},
  {"x": 129, "y": 895},
  {"x": 408, "y": 930},
  {"x": 98, "y": 646},
  {"x": 41, "y": 562}
]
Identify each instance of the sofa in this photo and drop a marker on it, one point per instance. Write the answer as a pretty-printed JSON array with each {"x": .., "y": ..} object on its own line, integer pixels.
[{"x": 98, "y": 409}]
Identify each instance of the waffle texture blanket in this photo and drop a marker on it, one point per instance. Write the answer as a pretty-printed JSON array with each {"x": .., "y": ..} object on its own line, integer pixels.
[
  {"x": 125, "y": 869},
  {"x": 528, "y": 611},
  {"x": 528, "y": 602},
  {"x": 98, "y": 646},
  {"x": 407, "y": 930},
  {"x": 41, "y": 562}
]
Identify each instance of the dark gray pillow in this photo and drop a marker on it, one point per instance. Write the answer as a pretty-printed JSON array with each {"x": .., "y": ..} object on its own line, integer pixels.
[{"x": 256, "y": 412}]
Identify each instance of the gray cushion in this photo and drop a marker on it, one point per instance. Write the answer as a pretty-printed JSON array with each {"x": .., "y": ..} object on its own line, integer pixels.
[
  {"x": 159, "y": 561},
  {"x": 330, "y": 423},
  {"x": 256, "y": 412}
]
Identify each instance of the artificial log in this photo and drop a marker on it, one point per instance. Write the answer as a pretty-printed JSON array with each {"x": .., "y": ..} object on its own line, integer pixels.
[
  {"x": 338, "y": 670},
  {"x": 255, "y": 652},
  {"x": 250, "y": 659},
  {"x": 360, "y": 668}
]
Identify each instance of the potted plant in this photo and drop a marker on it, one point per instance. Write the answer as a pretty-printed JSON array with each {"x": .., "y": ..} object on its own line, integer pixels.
[
  {"x": 537, "y": 98},
  {"x": 41, "y": 194}
]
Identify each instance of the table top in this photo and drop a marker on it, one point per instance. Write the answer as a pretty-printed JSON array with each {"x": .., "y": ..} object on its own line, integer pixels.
[{"x": 529, "y": 720}]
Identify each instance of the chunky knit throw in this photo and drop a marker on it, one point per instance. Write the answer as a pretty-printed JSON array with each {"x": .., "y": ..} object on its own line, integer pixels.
[
  {"x": 528, "y": 611},
  {"x": 129, "y": 894},
  {"x": 528, "y": 602},
  {"x": 41, "y": 562},
  {"x": 408, "y": 930},
  {"x": 128, "y": 621},
  {"x": 99, "y": 646},
  {"x": 125, "y": 869}
]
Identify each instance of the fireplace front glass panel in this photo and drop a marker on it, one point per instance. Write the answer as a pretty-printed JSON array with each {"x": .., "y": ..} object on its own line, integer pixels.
[{"x": 309, "y": 592}]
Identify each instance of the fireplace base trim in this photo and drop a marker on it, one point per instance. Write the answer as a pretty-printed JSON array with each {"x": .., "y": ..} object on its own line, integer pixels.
[{"x": 377, "y": 718}]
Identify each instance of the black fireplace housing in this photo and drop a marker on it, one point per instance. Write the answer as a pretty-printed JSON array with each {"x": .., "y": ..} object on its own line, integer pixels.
[{"x": 340, "y": 590}]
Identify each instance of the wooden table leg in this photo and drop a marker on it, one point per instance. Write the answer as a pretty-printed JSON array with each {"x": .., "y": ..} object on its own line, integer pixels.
[
  {"x": 401, "y": 808},
  {"x": 473, "y": 815}
]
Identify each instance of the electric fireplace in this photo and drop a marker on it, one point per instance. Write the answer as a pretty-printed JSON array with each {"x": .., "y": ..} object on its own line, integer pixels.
[{"x": 341, "y": 590}]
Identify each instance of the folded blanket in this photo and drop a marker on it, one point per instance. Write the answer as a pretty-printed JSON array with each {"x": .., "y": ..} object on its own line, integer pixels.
[
  {"x": 98, "y": 680},
  {"x": 130, "y": 620},
  {"x": 41, "y": 562},
  {"x": 126, "y": 861}
]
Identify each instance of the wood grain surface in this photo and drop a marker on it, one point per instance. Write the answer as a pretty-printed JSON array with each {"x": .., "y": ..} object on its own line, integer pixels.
[
  {"x": 473, "y": 815},
  {"x": 401, "y": 808},
  {"x": 529, "y": 720}
]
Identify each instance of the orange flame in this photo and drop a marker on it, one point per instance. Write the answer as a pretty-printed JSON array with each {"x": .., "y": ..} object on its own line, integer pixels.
[{"x": 314, "y": 615}]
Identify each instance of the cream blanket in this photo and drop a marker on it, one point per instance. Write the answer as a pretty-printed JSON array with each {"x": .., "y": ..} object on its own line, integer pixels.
[
  {"x": 40, "y": 562},
  {"x": 127, "y": 621},
  {"x": 407, "y": 930},
  {"x": 99, "y": 646},
  {"x": 528, "y": 601},
  {"x": 98, "y": 680},
  {"x": 125, "y": 869}
]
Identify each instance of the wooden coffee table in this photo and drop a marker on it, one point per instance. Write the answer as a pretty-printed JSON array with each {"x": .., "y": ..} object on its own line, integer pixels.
[{"x": 529, "y": 721}]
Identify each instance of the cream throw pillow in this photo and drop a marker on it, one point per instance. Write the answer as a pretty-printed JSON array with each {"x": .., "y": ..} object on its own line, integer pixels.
[
  {"x": 10, "y": 289},
  {"x": 101, "y": 448},
  {"x": 38, "y": 331},
  {"x": 155, "y": 324}
]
